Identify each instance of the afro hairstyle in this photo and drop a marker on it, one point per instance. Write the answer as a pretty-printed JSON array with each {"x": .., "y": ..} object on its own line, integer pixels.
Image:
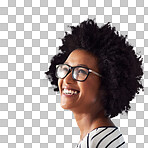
[{"x": 118, "y": 63}]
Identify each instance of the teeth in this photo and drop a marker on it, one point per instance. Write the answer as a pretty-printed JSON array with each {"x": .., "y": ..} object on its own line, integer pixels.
[{"x": 66, "y": 91}]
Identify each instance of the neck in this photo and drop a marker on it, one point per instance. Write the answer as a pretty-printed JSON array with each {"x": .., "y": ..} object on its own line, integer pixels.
[{"x": 87, "y": 122}]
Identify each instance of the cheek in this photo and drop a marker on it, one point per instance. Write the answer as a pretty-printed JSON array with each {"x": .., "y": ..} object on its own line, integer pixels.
[
  {"x": 91, "y": 91},
  {"x": 92, "y": 85}
]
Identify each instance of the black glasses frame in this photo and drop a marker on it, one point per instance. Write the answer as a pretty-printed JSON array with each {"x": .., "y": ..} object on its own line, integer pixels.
[{"x": 71, "y": 68}]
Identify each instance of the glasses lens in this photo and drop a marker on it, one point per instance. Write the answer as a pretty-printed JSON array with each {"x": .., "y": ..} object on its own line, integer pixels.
[
  {"x": 80, "y": 73},
  {"x": 62, "y": 71}
]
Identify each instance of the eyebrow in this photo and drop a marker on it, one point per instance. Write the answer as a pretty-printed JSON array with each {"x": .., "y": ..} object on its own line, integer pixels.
[{"x": 79, "y": 64}]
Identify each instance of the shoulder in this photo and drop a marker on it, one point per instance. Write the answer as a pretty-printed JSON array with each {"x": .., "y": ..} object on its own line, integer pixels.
[{"x": 107, "y": 137}]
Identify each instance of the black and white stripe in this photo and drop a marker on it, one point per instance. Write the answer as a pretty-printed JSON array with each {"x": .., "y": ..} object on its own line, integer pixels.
[
  {"x": 88, "y": 140},
  {"x": 113, "y": 141},
  {"x": 103, "y": 137},
  {"x": 98, "y": 133},
  {"x": 120, "y": 144}
]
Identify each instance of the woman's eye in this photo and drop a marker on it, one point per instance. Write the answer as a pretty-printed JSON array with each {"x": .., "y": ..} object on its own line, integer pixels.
[
  {"x": 82, "y": 71},
  {"x": 65, "y": 69}
]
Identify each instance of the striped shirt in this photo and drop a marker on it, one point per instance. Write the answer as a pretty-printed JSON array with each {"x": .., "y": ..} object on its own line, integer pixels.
[{"x": 103, "y": 137}]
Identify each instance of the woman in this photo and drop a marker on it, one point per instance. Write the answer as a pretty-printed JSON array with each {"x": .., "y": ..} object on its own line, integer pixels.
[{"x": 97, "y": 74}]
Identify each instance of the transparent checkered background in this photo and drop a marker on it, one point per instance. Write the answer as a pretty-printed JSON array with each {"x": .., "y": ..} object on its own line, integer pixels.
[{"x": 30, "y": 32}]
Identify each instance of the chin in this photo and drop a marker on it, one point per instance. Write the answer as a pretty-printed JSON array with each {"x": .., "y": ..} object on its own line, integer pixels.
[{"x": 66, "y": 106}]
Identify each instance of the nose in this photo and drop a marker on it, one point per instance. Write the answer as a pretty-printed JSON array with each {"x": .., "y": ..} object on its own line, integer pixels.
[{"x": 68, "y": 79}]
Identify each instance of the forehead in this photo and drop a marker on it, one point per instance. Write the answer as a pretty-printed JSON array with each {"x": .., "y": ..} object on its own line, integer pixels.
[{"x": 80, "y": 56}]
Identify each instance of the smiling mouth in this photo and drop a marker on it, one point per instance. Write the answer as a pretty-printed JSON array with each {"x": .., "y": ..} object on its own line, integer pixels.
[{"x": 70, "y": 92}]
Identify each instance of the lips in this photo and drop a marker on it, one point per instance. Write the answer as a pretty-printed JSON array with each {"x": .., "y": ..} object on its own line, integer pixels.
[
  {"x": 70, "y": 91},
  {"x": 70, "y": 88}
]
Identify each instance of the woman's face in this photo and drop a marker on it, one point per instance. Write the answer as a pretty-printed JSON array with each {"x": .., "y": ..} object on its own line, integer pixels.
[{"x": 87, "y": 97}]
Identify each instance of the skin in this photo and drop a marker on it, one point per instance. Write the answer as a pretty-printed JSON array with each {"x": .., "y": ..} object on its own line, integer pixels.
[{"x": 86, "y": 105}]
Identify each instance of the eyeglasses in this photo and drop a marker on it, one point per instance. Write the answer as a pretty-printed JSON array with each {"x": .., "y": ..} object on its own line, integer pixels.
[{"x": 79, "y": 73}]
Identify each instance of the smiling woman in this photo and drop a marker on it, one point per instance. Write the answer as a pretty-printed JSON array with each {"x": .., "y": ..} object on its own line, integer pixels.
[
  {"x": 97, "y": 74},
  {"x": 86, "y": 86}
]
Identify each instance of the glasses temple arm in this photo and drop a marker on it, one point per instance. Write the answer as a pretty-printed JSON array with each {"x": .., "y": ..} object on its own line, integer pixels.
[{"x": 95, "y": 73}]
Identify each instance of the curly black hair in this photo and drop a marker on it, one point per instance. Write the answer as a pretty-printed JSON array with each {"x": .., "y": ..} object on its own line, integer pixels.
[{"x": 118, "y": 63}]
